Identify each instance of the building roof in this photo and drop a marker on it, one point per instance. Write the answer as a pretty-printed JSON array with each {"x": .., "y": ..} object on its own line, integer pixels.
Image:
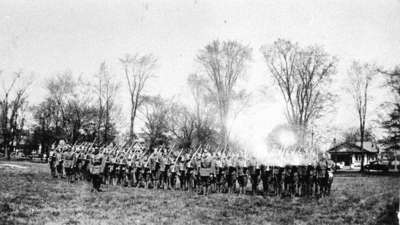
[{"x": 346, "y": 147}]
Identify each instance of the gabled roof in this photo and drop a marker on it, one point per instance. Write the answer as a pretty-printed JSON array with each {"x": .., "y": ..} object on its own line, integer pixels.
[{"x": 347, "y": 147}]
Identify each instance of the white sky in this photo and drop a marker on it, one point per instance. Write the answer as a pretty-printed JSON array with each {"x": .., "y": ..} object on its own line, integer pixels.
[{"x": 47, "y": 37}]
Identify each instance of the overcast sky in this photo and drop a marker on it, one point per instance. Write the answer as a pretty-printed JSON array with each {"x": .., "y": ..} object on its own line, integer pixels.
[{"x": 47, "y": 37}]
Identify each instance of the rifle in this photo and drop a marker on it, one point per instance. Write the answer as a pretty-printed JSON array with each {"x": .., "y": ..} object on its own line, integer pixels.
[
  {"x": 91, "y": 145},
  {"x": 194, "y": 154},
  {"x": 131, "y": 146},
  {"x": 172, "y": 148},
  {"x": 176, "y": 160},
  {"x": 148, "y": 160}
]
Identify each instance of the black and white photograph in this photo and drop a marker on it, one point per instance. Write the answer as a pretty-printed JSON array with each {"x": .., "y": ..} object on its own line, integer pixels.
[{"x": 192, "y": 112}]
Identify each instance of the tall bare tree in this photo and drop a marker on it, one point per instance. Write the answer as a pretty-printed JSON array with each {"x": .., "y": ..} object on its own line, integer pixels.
[
  {"x": 301, "y": 75},
  {"x": 60, "y": 89},
  {"x": 12, "y": 105},
  {"x": 360, "y": 76},
  {"x": 137, "y": 71},
  {"x": 204, "y": 113},
  {"x": 106, "y": 91},
  {"x": 70, "y": 108},
  {"x": 223, "y": 64}
]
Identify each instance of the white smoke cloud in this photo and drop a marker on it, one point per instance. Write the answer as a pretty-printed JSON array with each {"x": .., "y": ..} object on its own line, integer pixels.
[{"x": 251, "y": 128}]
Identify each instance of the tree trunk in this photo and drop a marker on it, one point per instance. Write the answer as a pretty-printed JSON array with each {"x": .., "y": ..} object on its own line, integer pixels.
[
  {"x": 362, "y": 148},
  {"x": 131, "y": 130}
]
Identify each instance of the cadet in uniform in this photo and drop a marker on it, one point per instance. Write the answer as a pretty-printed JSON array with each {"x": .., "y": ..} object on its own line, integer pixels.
[
  {"x": 68, "y": 163},
  {"x": 205, "y": 172},
  {"x": 241, "y": 169},
  {"x": 52, "y": 163},
  {"x": 96, "y": 169}
]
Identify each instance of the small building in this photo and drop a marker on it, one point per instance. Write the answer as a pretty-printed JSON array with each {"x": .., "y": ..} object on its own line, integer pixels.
[{"x": 349, "y": 155}]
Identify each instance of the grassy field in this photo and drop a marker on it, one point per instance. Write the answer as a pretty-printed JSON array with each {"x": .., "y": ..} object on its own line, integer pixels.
[{"x": 29, "y": 196}]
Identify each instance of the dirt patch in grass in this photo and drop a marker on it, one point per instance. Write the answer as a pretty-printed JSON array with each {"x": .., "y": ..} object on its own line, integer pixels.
[{"x": 30, "y": 196}]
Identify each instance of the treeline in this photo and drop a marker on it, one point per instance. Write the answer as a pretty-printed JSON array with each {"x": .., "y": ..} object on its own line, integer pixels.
[{"x": 77, "y": 110}]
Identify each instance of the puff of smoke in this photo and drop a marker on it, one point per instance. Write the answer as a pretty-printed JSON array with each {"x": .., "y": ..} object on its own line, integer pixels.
[{"x": 251, "y": 128}]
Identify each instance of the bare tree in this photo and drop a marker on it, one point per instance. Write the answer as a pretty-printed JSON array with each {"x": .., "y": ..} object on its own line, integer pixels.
[
  {"x": 70, "y": 109},
  {"x": 155, "y": 113},
  {"x": 301, "y": 75},
  {"x": 223, "y": 64},
  {"x": 360, "y": 76},
  {"x": 181, "y": 123},
  {"x": 12, "y": 104},
  {"x": 60, "y": 88},
  {"x": 106, "y": 91},
  {"x": 204, "y": 113},
  {"x": 137, "y": 70}
]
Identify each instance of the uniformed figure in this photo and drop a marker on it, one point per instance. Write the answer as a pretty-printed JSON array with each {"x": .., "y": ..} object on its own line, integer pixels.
[
  {"x": 190, "y": 174},
  {"x": 254, "y": 172},
  {"x": 219, "y": 173},
  {"x": 182, "y": 172},
  {"x": 69, "y": 163},
  {"x": 59, "y": 163},
  {"x": 241, "y": 169},
  {"x": 52, "y": 162},
  {"x": 266, "y": 178},
  {"x": 96, "y": 169},
  {"x": 205, "y": 172}
]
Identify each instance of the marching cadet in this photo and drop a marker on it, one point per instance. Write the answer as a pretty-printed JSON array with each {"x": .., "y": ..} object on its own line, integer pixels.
[
  {"x": 129, "y": 171},
  {"x": 154, "y": 165},
  {"x": 96, "y": 169},
  {"x": 137, "y": 169},
  {"x": 322, "y": 177},
  {"x": 173, "y": 173},
  {"x": 190, "y": 173},
  {"x": 197, "y": 183},
  {"x": 77, "y": 169},
  {"x": 205, "y": 171},
  {"x": 59, "y": 163},
  {"x": 117, "y": 168},
  {"x": 213, "y": 180},
  {"x": 68, "y": 163},
  {"x": 122, "y": 170},
  {"x": 219, "y": 173},
  {"x": 107, "y": 169},
  {"x": 302, "y": 181},
  {"x": 295, "y": 181},
  {"x": 310, "y": 178},
  {"x": 52, "y": 162},
  {"x": 330, "y": 180},
  {"x": 282, "y": 177},
  {"x": 241, "y": 169},
  {"x": 266, "y": 178},
  {"x": 286, "y": 180},
  {"x": 142, "y": 172},
  {"x": 112, "y": 168},
  {"x": 150, "y": 168},
  {"x": 163, "y": 173},
  {"x": 254, "y": 174},
  {"x": 276, "y": 180},
  {"x": 182, "y": 172},
  {"x": 231, "y": 174}
]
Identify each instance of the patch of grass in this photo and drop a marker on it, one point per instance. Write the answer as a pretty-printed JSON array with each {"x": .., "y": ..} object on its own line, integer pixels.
[{"x": 31, "y": 196}]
